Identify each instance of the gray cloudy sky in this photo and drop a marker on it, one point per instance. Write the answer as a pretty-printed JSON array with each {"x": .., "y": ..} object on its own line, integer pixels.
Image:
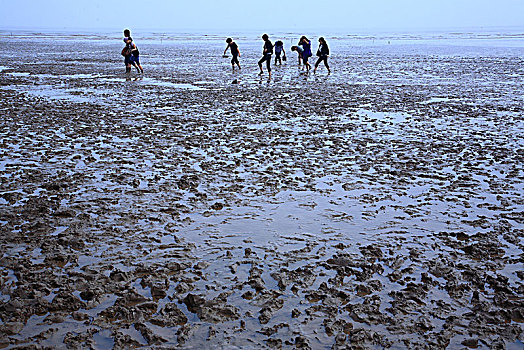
[{"x": 266, "y": 15}]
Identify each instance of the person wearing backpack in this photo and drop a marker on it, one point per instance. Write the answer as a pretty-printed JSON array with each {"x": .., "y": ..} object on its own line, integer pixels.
[{"x": 267, "y": 52}]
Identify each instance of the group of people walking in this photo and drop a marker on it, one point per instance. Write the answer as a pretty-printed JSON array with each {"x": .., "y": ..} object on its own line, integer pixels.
[{"x": 303, "y": 48}]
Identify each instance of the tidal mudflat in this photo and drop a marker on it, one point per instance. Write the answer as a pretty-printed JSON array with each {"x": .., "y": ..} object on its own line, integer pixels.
[{"x": 380, "y": 206}]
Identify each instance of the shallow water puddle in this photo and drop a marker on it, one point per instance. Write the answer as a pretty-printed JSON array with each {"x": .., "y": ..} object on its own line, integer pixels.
[{"x": 155, "y": 82}]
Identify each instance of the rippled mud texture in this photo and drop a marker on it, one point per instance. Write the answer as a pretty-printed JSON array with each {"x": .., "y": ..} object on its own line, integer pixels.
[{"x": 378, "y": 207}]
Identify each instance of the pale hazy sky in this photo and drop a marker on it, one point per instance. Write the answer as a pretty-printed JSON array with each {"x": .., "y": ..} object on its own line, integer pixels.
[{"x": 265, "y": 15}]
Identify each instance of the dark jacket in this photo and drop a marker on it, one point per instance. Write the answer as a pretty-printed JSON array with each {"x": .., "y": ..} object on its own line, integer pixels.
[
  {"x": 323, "y": 50},
  {"x": 268, "y": 47}
]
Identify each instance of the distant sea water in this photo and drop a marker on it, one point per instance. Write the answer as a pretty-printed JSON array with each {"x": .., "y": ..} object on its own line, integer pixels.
[{"x": 493, "y": 37}]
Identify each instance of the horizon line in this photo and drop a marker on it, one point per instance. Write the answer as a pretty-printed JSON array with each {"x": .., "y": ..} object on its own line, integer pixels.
[{"x": 251, "y": 30}]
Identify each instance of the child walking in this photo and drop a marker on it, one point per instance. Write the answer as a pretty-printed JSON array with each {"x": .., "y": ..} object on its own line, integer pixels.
[
  {"x": 279, "y": 50},
  {"x": 234, "y": 51},
  {"x": 134, "y": 58}
]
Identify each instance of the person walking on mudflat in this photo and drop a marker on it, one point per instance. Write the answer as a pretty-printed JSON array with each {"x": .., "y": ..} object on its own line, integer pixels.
[
  {"x": 135, "y": 55},
  {"x": 322, "y": 53},
  {"x": 234, "y": 51},
  {"x": 126, "y": 52},
  {"x": 267, "y": 52},
  {"x": 306, "y": 45},
  {"x": 279, "y": 50},
  {"x": 131, "y": 53}
]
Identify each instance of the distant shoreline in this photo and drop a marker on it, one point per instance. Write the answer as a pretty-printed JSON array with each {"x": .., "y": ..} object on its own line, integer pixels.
[
  {"x": 494, "y": 36},
  {"x": 509, "y": 30}
]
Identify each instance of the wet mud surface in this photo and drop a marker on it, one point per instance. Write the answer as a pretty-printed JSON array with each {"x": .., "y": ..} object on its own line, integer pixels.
[{"x": 377, "y": 207}]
